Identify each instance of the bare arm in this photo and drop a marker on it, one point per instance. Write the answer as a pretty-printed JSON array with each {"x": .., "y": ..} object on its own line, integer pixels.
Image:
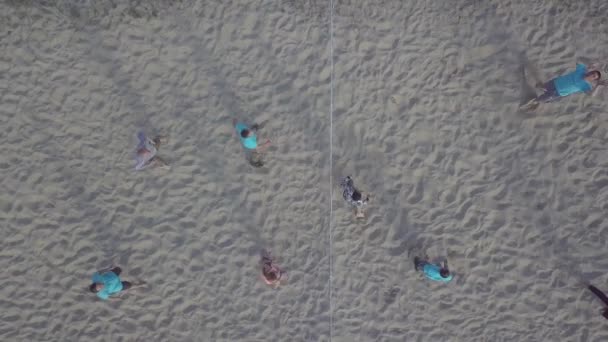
[
  {"x": 589, "y": 63},
  {"x": 597, "y": 87},
  {"x": 104, "y": 270},
  {"x": 584, "y": 60},
  {"x": 264, "y": 146}
]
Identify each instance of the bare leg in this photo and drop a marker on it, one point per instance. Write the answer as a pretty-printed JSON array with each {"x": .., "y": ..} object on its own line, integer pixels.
[
  {"x": 158, "y": 162},
  {"x": 531, "y": 105},
  {"x": 139, "y": 283},
  {"x": 359, "y": 213},
  {"x": 262, "y": 148},
  {"x": 127, "y": 285}
]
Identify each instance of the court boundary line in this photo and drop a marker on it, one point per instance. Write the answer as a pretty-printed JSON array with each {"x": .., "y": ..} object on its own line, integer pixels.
[{"x": 331, "y": 154}]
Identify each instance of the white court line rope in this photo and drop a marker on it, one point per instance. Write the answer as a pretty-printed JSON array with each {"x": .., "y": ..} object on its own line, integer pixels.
[{"x": 331, "y": 154}]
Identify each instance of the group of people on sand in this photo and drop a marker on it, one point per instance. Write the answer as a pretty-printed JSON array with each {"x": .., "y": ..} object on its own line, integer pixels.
[
  {"x": 107, "y": 282},
  {"x": 357, "y": 200}
]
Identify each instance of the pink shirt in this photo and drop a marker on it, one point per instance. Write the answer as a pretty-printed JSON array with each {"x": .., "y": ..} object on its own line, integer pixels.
[{"x": 145, "y": 153}]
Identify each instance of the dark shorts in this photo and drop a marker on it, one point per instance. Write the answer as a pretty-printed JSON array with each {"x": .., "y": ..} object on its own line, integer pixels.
[
  {"x": 125, "y": 284},
  {"x": 116, "y": 270},
  {"x": 419, "y": 264},
  {"x": 550, "y": 93}
]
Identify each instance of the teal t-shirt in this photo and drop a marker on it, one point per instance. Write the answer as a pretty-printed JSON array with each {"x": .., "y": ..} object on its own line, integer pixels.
[
  {"x": 573, "y": 82},
  {"x": 432, "y": 272},
  {"x": 251, "y": 142},
  {"x": 111, "y": 284}
]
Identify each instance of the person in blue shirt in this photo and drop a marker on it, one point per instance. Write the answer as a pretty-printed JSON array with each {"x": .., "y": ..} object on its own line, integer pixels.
[
  {"x": 435, "y": 272},
  {"x": 248, "y": 137},
  {"x": 107, "y": 283},
  {"x": 577, "y": 81}
]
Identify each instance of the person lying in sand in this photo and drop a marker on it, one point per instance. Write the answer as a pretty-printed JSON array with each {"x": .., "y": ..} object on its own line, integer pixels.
[
  {"x": 577, "y": 81},
  {"x": 146, "y": 152},
  {"x": 435, "y": 272},
  {"x": 271, "y": 273},
  {"x": 353, "y": 196},
  {"x": 248, "y": 137},
  {"x": 107, "y": 282}
]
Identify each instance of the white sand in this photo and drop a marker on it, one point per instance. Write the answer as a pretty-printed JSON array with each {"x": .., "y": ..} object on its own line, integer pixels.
[{"x": 425, "y": 118}]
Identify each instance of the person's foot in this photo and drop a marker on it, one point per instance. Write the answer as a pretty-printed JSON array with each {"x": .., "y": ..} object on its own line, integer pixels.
[
  {"x": 534, "y": 106},
  {"x": 161, "y": 164},
  {"x": 139, "y": 283},
  {"x": 360, "y": 214}
]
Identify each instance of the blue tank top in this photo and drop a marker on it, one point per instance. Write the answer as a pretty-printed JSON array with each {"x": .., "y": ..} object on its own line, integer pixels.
[
  {"x": 573, "y": 82},
  {"x": 251, "y": 142},
  {"x": 432, "y": 272},
  {"x": 111, "y": 284}
]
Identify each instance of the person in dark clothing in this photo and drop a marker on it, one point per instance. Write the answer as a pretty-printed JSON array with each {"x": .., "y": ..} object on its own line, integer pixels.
[
  {"x": 602, "y": 296},
  {"x": 353, "y": 196}
]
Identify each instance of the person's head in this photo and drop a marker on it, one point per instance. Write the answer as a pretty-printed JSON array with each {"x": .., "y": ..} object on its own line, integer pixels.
[
  {"x": 593, "y": 75},
  {"x": 95, "y": 287},
  {"x": 444, "y": 273},
  {"x": 245, "y": 133}
]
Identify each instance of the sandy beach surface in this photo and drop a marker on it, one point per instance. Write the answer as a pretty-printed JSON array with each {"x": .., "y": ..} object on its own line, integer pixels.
[{"x": 425, "y": 98}]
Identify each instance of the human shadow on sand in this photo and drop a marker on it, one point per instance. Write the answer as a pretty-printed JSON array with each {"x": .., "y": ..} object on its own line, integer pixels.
[{"x": 529, "y": 76}]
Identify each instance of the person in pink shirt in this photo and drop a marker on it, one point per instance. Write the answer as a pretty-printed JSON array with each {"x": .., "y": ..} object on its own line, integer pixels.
[
  {"x": 271, "y": 273},
  {"x": 146, "y": 152}
]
